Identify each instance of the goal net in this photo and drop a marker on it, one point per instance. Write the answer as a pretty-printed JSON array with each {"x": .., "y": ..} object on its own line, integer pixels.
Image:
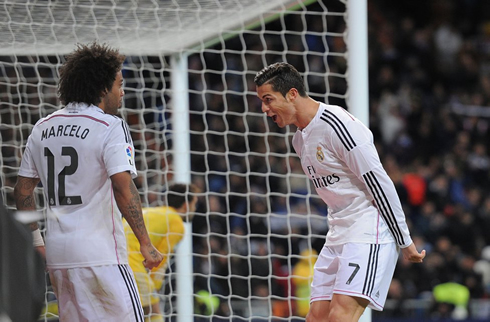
[{"x": 259, "y": 222}]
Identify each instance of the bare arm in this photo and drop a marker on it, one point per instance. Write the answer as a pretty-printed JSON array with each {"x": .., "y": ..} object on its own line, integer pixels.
[
  {"x": 128, "y": 202},
  {"x": 24, "y": 200},
  {"x": 24, "y": 193}
]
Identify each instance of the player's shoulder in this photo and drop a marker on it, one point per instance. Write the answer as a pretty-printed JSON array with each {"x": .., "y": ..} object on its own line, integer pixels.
[
  {"x": 343, "y": 127},
  {"x": 109, "y": 119},
  {"x": 336, "y": 112},
  {"x": 49, "y": 117},
  {"x": 341, "y": 120},
  {"x": 168, "y": 214},
  {"x": 92, "y": 112},
  {"x": 112, "y": 123},
  {"x": 82, "y": 112}
]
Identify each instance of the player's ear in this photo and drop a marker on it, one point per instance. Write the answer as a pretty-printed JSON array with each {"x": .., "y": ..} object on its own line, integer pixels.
[{"x": 292, "y": 94}]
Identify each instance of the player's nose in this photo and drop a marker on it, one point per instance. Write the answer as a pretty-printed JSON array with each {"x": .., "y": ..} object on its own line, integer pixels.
[{"x": 265, "y": 108}]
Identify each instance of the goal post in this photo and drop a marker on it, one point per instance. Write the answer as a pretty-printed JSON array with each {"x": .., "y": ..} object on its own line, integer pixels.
[
  {"x": 358, "y": 99},
  {"x": 194, "y": 116}
]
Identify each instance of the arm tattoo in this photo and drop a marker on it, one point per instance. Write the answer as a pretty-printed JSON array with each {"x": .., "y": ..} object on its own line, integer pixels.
[
  {"x": 129, "y": 203},
  {"x": 134, "y": 208},
  {"x": 24, "y": 193},
  {"x": 130, "y": 206},
  {"x": 26, "y": 202},
  {"x": 153, "y": 253}
]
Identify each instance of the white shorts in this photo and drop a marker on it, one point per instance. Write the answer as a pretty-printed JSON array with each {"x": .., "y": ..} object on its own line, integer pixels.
[
  {"x": 100, "y": 293},
  {"x": 147, "y": 289},
  {"x": 359, "y": 270}
]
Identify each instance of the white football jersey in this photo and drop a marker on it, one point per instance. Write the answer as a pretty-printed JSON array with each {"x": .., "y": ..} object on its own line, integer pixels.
[
  {"x": 337, "y": 153},
  {"x": 74, "y": 152}
]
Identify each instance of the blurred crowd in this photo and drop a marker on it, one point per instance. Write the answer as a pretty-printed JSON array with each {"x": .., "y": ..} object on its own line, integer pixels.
[{"x": 430, "y": 97}]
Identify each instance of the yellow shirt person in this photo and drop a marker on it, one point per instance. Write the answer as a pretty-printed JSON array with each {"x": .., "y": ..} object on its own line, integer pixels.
[
  {"x": 165, "y": 226},
  {"x": 166, "y": 229},
  {"x": 302, "y": 278}
]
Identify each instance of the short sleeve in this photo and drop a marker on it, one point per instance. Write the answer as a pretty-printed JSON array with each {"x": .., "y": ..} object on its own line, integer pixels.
[
  {"x": 119, "y": 151},
  {"x": 27, "y": 166}
]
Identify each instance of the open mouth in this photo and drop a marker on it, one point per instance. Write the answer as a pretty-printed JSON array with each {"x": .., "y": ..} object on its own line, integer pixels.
[{"x": 274, "y": 117}]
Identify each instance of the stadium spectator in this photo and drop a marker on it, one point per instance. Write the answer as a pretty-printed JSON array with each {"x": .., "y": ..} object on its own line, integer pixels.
[
  {"x": 166, "y": 229},
  {"x": 302, "y": 276}
]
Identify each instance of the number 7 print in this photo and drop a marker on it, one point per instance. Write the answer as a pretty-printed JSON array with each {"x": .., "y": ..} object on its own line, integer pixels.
[{"x": 356, "y": 269}]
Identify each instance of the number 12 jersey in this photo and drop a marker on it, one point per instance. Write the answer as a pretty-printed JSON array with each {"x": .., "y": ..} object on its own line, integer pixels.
[{"x": 74, "y": 152}]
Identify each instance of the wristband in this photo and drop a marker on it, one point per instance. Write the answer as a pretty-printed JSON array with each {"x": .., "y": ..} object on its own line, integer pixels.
[{"x": 37, "y": 239}]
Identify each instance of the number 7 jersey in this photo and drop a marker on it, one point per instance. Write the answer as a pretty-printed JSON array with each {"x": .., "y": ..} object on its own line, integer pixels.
[{"x": 74, "y": 152}]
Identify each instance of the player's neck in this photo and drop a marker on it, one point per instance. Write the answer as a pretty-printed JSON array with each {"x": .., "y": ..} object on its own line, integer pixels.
[
  {"x": 306, "y": 110},
  {"x": 102, "y": 105}
]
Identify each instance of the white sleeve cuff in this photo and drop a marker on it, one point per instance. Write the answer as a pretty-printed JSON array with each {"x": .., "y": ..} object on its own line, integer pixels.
[{"x": 37, "y": 239}]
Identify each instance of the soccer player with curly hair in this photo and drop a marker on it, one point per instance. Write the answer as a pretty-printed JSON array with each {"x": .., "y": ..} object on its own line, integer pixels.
[{"x": 83, "y": 155}]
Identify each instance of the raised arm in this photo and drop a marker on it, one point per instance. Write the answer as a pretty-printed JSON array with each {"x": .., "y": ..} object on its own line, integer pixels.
[{"x": 128, "y": 202}]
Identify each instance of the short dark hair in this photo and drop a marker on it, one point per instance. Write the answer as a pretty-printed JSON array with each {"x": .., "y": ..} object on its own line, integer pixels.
[
  {"x": 282, "y": 77},
  {"x": 179, "y": 193},
  {"x": 87, "y": 72}
]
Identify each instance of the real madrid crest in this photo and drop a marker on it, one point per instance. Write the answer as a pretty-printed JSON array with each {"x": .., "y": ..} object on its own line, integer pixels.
[{"x": 319, "y": 154}]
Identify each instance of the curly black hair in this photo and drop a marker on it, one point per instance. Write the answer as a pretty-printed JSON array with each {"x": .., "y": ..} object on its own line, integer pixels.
[
  {"x": 282, "y": 77},
  {"x": 87, "y": 72}
]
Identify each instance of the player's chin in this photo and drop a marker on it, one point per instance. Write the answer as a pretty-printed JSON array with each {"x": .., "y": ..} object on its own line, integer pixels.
[{"x": 280, "y": 124}]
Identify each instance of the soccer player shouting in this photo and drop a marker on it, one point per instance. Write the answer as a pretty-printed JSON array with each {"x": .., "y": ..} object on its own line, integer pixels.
[{"x": 366, "y": 222}]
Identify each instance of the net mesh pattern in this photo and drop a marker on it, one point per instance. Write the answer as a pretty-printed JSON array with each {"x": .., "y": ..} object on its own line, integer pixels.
[{"x": 257, "y": 213}]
